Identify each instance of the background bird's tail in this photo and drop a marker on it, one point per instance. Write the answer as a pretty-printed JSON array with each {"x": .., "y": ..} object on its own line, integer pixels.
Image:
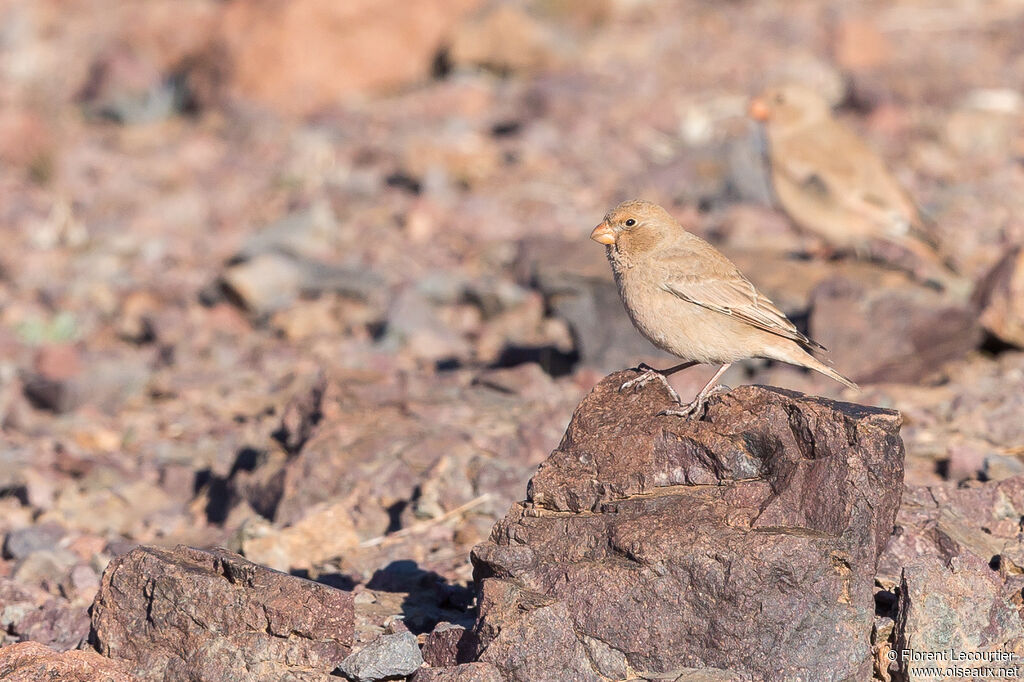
[{"x": 933, "y": 268}]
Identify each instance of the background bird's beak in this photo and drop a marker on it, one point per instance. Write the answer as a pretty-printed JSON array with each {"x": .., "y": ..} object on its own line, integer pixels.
[
  {"x": 603, "y": 234},
  {"x": 758, "y": 110}
]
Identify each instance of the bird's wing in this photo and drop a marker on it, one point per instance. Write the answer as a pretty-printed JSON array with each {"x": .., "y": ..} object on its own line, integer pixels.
[
  {"x": 831, "y": 163},
  {"x": 819, "y": 157},
  {"x": 734, "y": 295}
]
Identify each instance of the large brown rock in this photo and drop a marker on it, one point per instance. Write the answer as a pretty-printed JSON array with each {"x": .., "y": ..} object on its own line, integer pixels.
[
  {"x": 360, "y": 46},
  {"x": 212, "y": 615},
  {"x": 32, "y": 661},
  {"x": 1001, "y": 297},
  {"x": 443, "y": 446},
  {"x": 746, "y": 541},
  {"x": 895, "y": 333}
]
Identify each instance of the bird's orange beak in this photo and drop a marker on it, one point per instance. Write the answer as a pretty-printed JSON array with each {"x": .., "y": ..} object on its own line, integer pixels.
[
  {"x": 758, "y": 110},
  {"x": 603, "y": 234}
]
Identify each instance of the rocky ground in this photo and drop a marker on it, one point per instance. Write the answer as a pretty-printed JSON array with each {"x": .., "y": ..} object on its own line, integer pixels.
[{"x": 332, "y": 314}]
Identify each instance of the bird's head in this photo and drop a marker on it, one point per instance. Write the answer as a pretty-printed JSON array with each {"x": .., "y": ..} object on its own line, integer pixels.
[
  {"x": 634, "y": 226},
  {"x": 789, "y": 106}
]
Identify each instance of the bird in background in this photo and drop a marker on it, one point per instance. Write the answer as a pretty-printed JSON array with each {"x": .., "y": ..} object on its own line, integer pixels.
[
  {"x": 689, "y": 300},
  {"x": 832, "y": 184}
]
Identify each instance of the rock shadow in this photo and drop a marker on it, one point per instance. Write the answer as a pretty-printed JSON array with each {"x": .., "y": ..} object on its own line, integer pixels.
[{"x": 430, "y": 598}]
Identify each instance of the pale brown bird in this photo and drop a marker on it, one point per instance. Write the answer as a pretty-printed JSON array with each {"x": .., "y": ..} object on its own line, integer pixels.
[
  {"x": 688, "y": 299},
  {"x": 832, "y": 184}
]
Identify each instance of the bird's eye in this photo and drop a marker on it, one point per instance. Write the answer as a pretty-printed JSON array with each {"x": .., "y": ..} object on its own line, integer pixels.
[{"x": 630, "y": 223}]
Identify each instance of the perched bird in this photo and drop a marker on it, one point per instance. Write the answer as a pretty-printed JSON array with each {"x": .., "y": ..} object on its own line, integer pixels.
[
  {"x": 832, "y": 184},
  {"x": 690, "y": 300}
]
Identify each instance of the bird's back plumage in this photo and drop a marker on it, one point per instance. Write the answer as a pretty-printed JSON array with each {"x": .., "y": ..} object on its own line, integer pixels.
[{"x": 828, "y": 180}]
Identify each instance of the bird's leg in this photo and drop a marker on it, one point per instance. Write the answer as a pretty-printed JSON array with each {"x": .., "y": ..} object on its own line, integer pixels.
[
  {"x": 697, "y": 406},
  {"x": 651, "y": 374}
]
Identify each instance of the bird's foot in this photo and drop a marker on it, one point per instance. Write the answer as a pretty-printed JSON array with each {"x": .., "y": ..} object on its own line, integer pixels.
[
  {"x": 696, "y": 407},
  {"x": 649, "y": 374}
]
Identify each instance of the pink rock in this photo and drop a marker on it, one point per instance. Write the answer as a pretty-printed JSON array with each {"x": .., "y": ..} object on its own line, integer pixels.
[
  {"x": 361, "y": 46},
  {"x": 32, "y": 661}
]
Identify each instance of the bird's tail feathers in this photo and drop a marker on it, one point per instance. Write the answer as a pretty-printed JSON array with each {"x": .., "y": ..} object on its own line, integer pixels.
[
  {"x": 934, "y": 267},
  {"x": 819, "y": 366},
  {"x": 800, "y": 357}
]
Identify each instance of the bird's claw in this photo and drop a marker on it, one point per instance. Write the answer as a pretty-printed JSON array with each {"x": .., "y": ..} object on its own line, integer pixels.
[
  {"x": 696, "y": 407},
  {"x": 720, "y": 388},
  {"x": 649, "y": 374},
  {"x": 646, "y": 372},
  {"x": 637, "y": 382},
  {"x": 688, "y": 410}
]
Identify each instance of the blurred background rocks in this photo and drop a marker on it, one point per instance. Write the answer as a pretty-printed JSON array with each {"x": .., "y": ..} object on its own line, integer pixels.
[{"x": 311, "y": 280}]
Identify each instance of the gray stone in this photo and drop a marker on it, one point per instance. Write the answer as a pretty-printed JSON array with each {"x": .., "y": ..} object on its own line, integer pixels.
[
  {"x": 388, "y": 656},
  {"x": 21, "y": 542},
  {"x": 999, "y": 467}
]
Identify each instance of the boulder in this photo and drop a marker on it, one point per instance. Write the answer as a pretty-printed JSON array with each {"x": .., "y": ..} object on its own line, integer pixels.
[
  {"x": 362, "y": 47},
  {"x": 1000, "y": 296},
  {"x": 32, "y": 661},
  {"x": 744, "y": 541},
  {"x": 902, "y": 332},
  {"x": 194, "y": 614}
]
